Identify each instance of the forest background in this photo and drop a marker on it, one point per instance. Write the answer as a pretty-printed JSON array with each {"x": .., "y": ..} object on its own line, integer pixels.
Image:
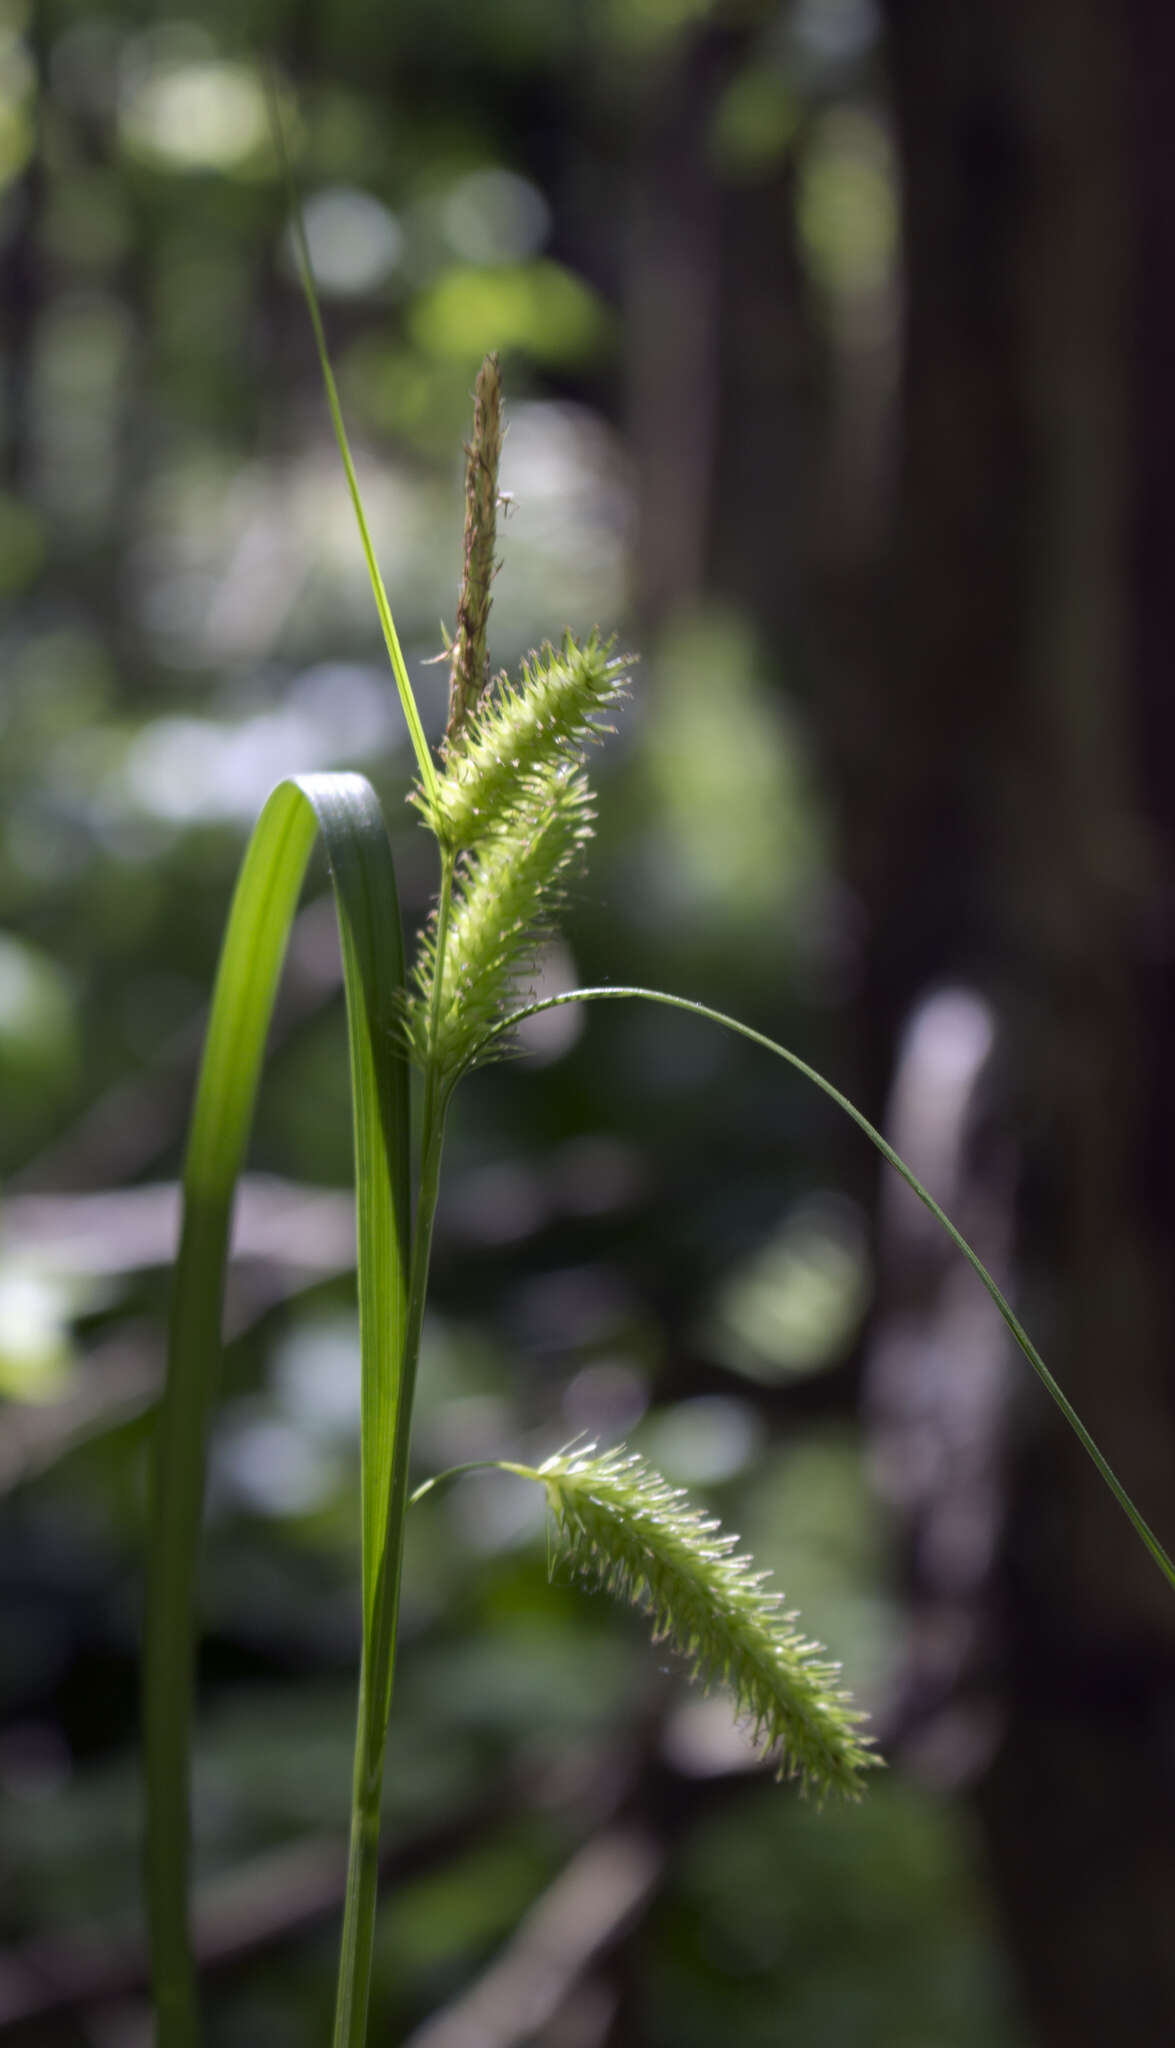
[{"x": 837, "y": 343}]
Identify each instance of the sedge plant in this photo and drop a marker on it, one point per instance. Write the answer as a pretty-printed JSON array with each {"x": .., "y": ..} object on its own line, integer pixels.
[{"x": 507, "y": 800}]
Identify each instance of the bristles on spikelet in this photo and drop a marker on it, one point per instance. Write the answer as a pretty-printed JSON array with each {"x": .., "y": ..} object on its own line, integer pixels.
[
  {"x": 504, "y": 902},
  {"x": 517, "y": 734},
  {"x": 624, "y": 1528}
]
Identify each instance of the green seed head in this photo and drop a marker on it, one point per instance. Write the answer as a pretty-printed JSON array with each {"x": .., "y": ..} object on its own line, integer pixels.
[
  {"x": 624, "y": 1528},
  {"x": 519, "y": 733},
  {"x": 502, "y": 909}
]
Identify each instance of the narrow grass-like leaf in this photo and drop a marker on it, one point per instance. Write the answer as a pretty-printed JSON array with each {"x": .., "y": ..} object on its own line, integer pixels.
[
  {"x": 420, "y": 747},
  {"x": 624, "y": 1528},
  {"x": 1056, "y": 1393},
  {"x": 343, "y": 808}
]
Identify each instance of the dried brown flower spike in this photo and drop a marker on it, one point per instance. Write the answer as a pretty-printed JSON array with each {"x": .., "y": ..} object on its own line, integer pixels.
[{"x": 471, "y": 667}]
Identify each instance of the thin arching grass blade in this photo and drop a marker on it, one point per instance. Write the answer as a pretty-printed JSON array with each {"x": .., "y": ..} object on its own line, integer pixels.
[
  {"x": 593, "y": 995},
  {"x": 344, "y": 809},
  {"x": 424, "y": 760}
]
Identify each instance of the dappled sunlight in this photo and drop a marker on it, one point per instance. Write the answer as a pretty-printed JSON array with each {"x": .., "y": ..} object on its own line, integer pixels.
[
  {"x": 680, "y": 224},
  {"x": 796, "y": 1304},
  {"x": 183, "y": 107},
  {"x": 355, "y": 243}
]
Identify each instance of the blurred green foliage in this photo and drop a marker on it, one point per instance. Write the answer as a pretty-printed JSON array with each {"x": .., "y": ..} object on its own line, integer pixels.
[{"x": 636, "y": 1237}]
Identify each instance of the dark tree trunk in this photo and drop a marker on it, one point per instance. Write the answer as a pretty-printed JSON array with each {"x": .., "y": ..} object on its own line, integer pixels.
[
  {"x": 1026, "y": 705},
  {"x": 998, "y": 731},
  {"x": 998, "y": 724}
]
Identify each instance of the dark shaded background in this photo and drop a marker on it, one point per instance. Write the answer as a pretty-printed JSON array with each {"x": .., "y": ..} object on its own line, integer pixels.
[{"x": 839, "y": 345}]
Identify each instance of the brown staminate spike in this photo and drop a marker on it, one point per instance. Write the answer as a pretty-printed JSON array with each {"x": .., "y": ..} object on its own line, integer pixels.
[{"x": 471, "y": 669}]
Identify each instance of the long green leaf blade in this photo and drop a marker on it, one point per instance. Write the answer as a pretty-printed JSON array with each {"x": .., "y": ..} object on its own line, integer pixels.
[
  {"x": 344, "y": 809},
  {"x": 424, "y": 760}
]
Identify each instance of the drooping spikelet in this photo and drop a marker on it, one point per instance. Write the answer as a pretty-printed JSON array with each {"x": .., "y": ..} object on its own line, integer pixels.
[
  {"x": 505, "y": 898},
  {"x": 627, "y": 1530},
  {"x": 517, "y": 734}
]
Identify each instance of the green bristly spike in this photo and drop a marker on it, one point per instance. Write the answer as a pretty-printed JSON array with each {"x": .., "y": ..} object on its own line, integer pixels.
[
  {"x": 625, "y": 1529},
  {"x": 502, "y": 908},
  {"x": 518, "y": 733},
  {"x": 622, "y": 1527}
]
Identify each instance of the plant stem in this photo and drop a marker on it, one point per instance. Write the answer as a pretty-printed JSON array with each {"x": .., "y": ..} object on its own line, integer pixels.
[
  {"x": 377, "y": 1671},
  {"x": 473, "y": 1465},
  {"x": 378, "y": 1666}
]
